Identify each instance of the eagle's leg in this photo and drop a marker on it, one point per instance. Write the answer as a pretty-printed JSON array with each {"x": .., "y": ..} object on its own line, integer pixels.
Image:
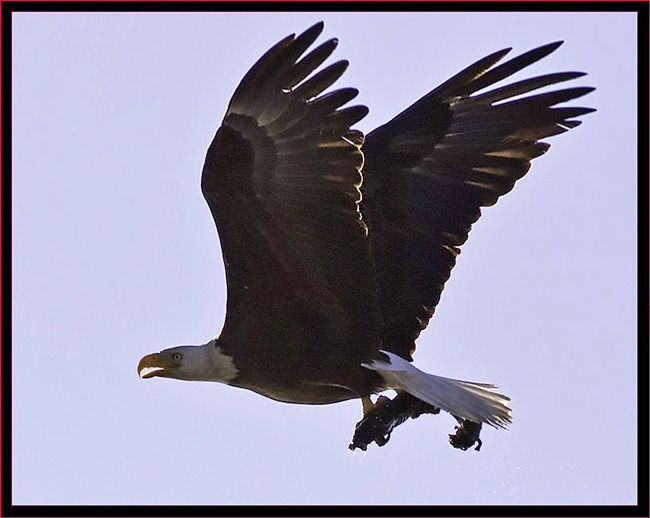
[
  {"x": 368, "y": 405},
  {"x": 380, "y": 418}
]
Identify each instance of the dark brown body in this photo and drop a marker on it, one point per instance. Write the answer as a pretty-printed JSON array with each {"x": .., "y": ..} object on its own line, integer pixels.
[{"x": 309, "y": 367}]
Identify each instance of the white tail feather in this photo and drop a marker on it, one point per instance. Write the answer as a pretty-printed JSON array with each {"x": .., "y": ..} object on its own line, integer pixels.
[{"x": 473, "y": 401}]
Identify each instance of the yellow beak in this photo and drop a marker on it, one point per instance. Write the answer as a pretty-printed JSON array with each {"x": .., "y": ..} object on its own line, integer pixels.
[{"x": 152, "y": 362}]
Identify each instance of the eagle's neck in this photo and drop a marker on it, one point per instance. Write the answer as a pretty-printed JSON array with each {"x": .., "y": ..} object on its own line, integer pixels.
[{"x": 209, "y": 363}]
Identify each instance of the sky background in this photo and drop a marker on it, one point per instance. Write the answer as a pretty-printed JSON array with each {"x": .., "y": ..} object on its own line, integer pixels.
[{"x": 115, "y": 255}]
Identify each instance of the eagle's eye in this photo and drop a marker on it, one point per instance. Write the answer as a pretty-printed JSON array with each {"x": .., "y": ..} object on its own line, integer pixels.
[{"x": 177, "y": 357}]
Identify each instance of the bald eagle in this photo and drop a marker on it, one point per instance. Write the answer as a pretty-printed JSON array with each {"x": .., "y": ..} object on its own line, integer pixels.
[{"x": 337, "y": 247}]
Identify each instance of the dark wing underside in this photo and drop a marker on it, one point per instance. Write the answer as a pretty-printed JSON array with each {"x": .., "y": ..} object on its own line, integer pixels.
[
  {"x": 430, "y": 169},
  {"x": 282, "y": 180}
]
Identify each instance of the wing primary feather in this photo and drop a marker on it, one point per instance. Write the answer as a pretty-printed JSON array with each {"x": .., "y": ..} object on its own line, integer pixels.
[
  {"x": 322, "y": 80},
  {"x": 303, "y": 42},
  {"x": 512, "y": 66},
  {"x": 525, "y": 86},
  {"x": 257, "y": 71},
  {"x": 346, "y": 117},
  {"x": 451, "y": 87},
  {"x": 333, "y": 100},
  {"x": 309, "y": 63},
  {"x": 548, "y": 99}
]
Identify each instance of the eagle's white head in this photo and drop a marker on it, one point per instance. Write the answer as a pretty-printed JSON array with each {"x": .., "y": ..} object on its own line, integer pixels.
[{"x": 190, "y": 363}]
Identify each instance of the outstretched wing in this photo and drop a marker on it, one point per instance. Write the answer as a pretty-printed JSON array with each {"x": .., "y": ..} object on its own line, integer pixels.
[
  {"x": 281, "y": 178},
  {"x": 430, "y": 169}
]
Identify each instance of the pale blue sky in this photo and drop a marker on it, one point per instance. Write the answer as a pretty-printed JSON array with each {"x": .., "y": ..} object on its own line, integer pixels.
[{"x": 115, "y": 256}]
